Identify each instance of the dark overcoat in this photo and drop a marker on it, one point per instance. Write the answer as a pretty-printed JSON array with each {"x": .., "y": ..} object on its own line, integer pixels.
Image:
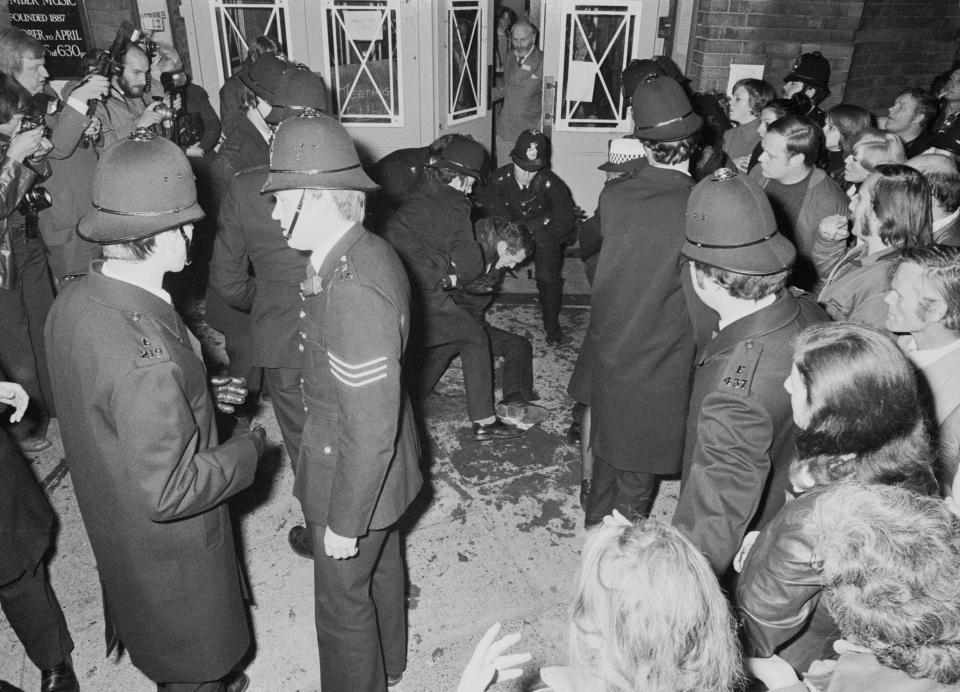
[
  {"x": 740, "y": 433},
  {"x": 150, "y": 479},
  {"x": 634, "y": 367},
  {"x": 26, "y": 520},
  {"x": 359, "y": 459}
]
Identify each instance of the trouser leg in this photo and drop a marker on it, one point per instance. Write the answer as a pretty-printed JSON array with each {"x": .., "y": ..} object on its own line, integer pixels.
[
  {"x": 431, "y": 364},
  {"x": 348, "y": 634},
  {"x": 504, "y": 147},
  {"x": 517, "y": 356},
  {"x": 477, "y": 373},
  {"x": 631, "y": 493},
  {"x": 284, "y": 387},
  {"x": 389, "y": 597},
  {"x": 548, "y": 264},
  {"x": 34, "y": 614}
]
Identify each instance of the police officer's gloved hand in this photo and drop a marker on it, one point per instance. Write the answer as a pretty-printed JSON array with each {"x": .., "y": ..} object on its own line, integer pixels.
[
  {"x": 259, "y": 436},
  {"x": 228, "y": 391}
]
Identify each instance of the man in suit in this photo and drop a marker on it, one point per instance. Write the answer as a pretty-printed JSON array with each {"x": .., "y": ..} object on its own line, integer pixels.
[
  {"x": 923, "y": 305},
  {"x": 137, "y": 423},
  {"x": 359, "y": 455},
  {"x": 522, "y": 89}
]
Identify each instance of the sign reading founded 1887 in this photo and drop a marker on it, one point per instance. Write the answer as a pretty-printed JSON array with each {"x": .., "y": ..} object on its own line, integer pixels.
[{"x": 58, "y": 25}]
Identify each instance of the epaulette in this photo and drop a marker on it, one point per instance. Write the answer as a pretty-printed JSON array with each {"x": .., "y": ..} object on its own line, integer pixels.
[
  {"x": 345, "y": 269},
  {"x": 148, "y": 347},
  {"x": 741, "y": 368}
]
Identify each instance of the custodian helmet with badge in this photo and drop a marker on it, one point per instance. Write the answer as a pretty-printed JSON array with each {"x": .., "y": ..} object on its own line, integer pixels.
[
  {"x": 142, "y": 186},
  {"x": 812, "y": 69},
  {"x": 731, "y": 225},
  {"x": 662, "y": 111},
  {"x": 531, "y": 150},
  {"x": 314, "y": 152}
]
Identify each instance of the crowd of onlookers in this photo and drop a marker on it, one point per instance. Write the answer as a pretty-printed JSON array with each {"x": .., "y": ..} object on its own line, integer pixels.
[{"x": 775, "y": 319}]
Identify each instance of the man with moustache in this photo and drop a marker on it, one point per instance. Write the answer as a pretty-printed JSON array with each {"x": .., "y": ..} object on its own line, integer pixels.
[{"x": 126, "y": 108}]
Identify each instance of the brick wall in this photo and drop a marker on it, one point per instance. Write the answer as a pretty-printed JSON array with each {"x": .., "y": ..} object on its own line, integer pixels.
[
  {"x": 899, "y": 45},
  {"x": 876, "y": 48},
  {"x": 772, "y": 33}
]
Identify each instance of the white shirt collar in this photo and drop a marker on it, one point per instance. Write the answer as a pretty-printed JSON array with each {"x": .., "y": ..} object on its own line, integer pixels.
[
  {"x": 320, "y": 252},
  {"x": 158, "y": 292},
  {"x": 752, "y": 308},
  {"x": 926, "y": 357}
]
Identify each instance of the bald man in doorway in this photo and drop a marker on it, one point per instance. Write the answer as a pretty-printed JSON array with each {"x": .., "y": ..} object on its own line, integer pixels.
[{"x": 522, "y": 89}]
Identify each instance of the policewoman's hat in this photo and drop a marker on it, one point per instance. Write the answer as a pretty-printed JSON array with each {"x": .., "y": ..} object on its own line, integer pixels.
[{"x": 730, "y": 225}]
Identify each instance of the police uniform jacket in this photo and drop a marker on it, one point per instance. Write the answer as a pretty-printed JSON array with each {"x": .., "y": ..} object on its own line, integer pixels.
[
  {"x": 248, "y": 235},
  {"x": 359, "y": 459},
  {"x": 635, "y": 363},
  {"x": 151, "y": 481},
  {"x": 740, "y": 432},
  {"x": 545, "y": 205},
  {"x": 433, "y": 236},
  {"x": 26, "y": 520},
  {"x": 521, "y": 93}
]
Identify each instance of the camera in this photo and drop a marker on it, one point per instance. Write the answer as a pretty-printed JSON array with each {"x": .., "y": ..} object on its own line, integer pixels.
[
  {"x": 32, "y": 121},
  {"x": 166, "y": 112},
  {"x": 36, "y": 200},
  {"x": 110, "y": 62}
]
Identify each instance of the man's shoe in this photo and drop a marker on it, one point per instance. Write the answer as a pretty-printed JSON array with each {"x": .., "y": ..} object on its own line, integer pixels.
[
  {"x": 394, "y": 680},
  {"x": 497, "y": 430},
  {"x": 299, "y": 539},
  {"x": 522, "y": 414},
  {"x": 60, "y": 678},
  {"x": 34, "y": 444},
  {"x": 236, "y": 682}
]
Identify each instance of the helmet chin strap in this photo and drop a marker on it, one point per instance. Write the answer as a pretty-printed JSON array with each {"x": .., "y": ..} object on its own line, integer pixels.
[{"x": 296, "y": 216}]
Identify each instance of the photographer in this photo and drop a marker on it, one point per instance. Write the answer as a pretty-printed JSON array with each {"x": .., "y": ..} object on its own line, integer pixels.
[
  {"x": 126, "y": 108},
  {"x": 196, "y": 127},
  {"x": 25, "y": 290},
  {"x": 22, "y": 57}
]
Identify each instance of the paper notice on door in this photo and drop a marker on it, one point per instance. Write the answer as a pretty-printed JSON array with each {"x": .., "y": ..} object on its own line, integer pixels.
[
  {"x": 363, "y": 25},
  {"x": 581, "y": 77},
  {"x": 738, "y": 72}
]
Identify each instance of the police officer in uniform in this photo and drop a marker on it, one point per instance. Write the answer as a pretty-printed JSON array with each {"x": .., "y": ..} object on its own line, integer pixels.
[
  {"x": 138, "y": 430},
  {"x": 634, "y": 366},
  {"x": 253, "y": 268},
  {"x": 359, "y": 457},
  {"x": 740, "y": 428},
  {"x": 525, "y": 191},
  {"x": 808, "y": 84}
]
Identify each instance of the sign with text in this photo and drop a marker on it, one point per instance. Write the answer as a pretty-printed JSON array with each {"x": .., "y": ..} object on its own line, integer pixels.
[{"x": 59, "y": 26}]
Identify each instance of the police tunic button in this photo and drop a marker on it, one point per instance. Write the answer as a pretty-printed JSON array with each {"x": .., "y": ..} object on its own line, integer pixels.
[
  {"x": 300, "y": 348},
  {"x": 327, "y": 450},
  {"x": 135, "y": 317},
  {"x": 303, "y": 335},
  {"x": 302, "y": 314}
]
